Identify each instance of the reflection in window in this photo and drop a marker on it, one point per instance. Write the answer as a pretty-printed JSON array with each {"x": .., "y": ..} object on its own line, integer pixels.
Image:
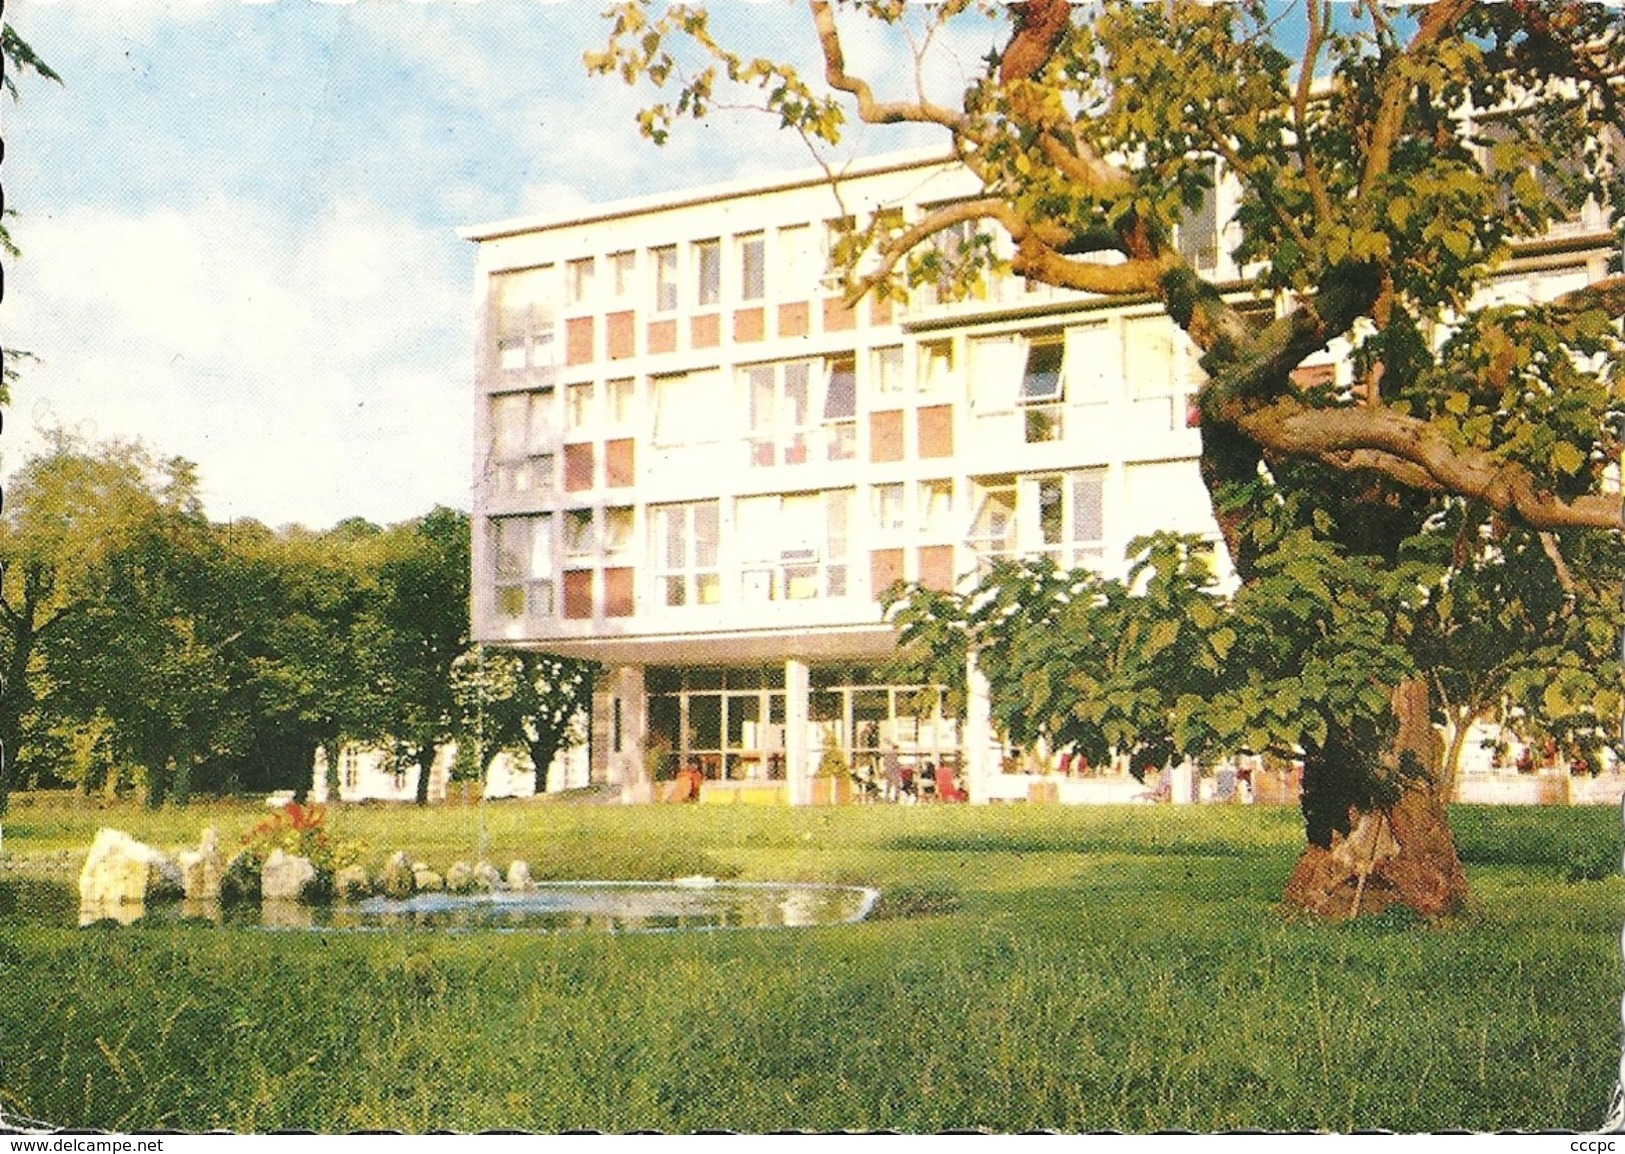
[
  {"x": 623, "y": 273},
  {"x": 522, "y": 567},
  {"x": 936, "y": 366},
  {"x": 578, "y": 281},
  {"x": 683, "y": 543},
  {"x": 708, "y": 272},
  {"x": 522, "y": 441},
  {"x": 665, "y": 283},
  {"x": 578, "y": 534},
  {"x": 1042, "y": 392},
  {"x": 752, "y": 268}
]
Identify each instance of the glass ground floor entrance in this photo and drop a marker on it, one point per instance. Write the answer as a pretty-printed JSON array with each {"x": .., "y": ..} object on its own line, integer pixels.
[{"x": 739, "y": 724}]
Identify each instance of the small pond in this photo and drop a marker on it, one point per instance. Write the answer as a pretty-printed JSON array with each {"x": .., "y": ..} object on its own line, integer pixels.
[{"x": 605, "y": 907}]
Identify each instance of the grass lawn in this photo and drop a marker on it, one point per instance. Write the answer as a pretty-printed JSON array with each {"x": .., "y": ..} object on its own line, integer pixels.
[{"x": 1073, "y": 969}]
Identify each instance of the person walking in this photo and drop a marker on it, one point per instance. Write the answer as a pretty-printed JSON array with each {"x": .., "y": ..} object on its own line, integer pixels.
[{"x": 892, "y": 767}]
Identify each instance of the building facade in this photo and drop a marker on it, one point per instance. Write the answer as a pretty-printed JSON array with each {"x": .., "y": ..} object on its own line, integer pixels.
[{"x": 696, "y": 464}]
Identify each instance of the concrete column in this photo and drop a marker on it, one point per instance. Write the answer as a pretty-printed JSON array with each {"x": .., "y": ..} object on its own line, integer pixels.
[
  {"x": 798, "y": 767},
  {"x": 628, "y": 695},
  {"x": 978, "y": 732}
]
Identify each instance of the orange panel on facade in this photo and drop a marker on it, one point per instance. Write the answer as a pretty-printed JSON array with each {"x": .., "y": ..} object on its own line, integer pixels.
[
  {"x": 705, "y": 332},
  {"x": 578, "y": 340},
  {"x": 748, "y": 325},
  {"x": 619, "y": 462},
  {"x": 837, "y": 316},
  {"x": 618, "y": 592},
  {"x": 937, "y": 567},
  {"x": 885, "y": 567},
  {"x": 578, "y": 461},
  {"x": 886, "y": 436},
  {"x": 578, "y": 594},
  {"x": 879, "y": 311},
  {"x": 620, "y": 331},
  {"x": 663, "y": 336},
  {"x": 936, "y": 429},
  {"x": 793, "y": 320}
]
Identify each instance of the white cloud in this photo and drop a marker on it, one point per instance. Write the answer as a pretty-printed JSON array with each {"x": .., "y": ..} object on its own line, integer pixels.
[{"x": 313, "y": 375}]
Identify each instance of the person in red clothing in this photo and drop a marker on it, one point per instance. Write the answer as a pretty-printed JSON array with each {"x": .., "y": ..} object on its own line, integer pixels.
[{"x": 946, "y": 790}]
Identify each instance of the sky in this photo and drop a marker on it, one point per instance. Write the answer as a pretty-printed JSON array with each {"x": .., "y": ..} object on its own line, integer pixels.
[{"x": 239, "y": 222}]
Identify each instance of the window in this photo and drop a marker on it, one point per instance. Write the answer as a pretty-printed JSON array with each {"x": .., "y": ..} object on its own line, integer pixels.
[
  {"x": 579, "y": 539},
  {"x": 683, "y": 545},
  {"x": 993, "y": 528},
  {"x": 578, "y": 281},
  {"x": 937, "y": 509},
  {"x": 522, "y": 442},
  {"x": 623, "y": 268},
  {"x": 1197, "y": 234},
  {"x": 665, "y": 286},
  {"x": 1068, "y": 511},
  {"x": 778, "y": 413},
  {"x": 522, "y": 567},
  {"x": 889, "y": 517},
  {"x": 620, "y": 398},
  {"x": 708, "y": 272},
  {"x": 841, "y": 409},
  {"x": 752, "y": 268},
  {"x": 936, "y": 366},
  {"x": 686, "y": 408},
  {"x": 617, "y": 529},
  {"x": 1042, "y": 386},
  {"x": 794, "y": 278},
  {"x": 581, "y": 411},
  {"x": 524, "y": 304},
  {"x": 888, "y": 370},
  {"x": 794, "y": 547}
]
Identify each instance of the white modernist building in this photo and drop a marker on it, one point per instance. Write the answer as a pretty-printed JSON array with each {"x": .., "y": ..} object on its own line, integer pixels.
[{"x": 696, "y": 465}]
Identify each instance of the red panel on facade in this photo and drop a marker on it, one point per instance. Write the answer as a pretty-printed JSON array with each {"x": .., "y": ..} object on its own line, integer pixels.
[
  {"x": 618, "y": 585},
  {"x": 936, "y": 429},
  {"x": 663, "y": 336},
  {"x": 578, "y": 461},
  {"x": 578, "y": 333},
  {"x": 578, "y": 594},
  {"x": 886, "y": 436},
  {"x": 705, "y": 332},
  {"x": 937, "y": 567},
  {"x": 748, "y": 325},
  {"x": 793, "y": 320},
  {"x": 619, "y": 462},
  {"x": 885, "y": 566},
  {"x": 837, "y": 316},
  {"x": 621, "y": 335}
]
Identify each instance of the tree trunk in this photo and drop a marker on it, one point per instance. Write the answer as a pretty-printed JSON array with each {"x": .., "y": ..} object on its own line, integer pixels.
[
  {"x": 542, "y": 753},
  {"x": 426, "y": 754},
  {"x": 1364, "y": 857}
]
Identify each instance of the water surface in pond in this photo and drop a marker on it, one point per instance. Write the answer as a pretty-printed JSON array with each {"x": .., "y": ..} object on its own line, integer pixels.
[{"x": 609, "y": 907}]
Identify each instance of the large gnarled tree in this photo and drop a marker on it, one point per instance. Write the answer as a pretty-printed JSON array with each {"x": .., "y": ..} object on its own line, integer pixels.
[{"x": 1385, "y": 169}]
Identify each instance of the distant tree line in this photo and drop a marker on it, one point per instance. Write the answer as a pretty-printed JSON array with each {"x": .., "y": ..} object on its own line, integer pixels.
[{"x": 145, "y": 648}]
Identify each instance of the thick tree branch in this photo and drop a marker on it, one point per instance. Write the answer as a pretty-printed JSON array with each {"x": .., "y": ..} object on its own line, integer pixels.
[
  {"x": 1038, "y": 260},
  {"x": 1288, "y": 426},
  {"x": 1437, "y": 20},
  {"x": 893, "y": 251},
  {"x": 1319, "y": 26},
  {"x": 870, "y": 110}
]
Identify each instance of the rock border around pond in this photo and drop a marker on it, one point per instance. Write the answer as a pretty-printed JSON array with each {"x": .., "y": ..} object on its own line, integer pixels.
[{"x": 121, "y": 874}]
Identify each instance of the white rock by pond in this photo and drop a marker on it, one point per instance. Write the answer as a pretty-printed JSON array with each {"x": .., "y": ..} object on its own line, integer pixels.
[
  {"x": 202, "y": 869},
  {"x": 351, "y": 882},
  {"x": 518, "y": 875},
  {"x": 286, "y": 878},
  {"x": 122, "y": 871},
  {"x": 486, "y": 877},
  {"x": 460, "y": 878},
  {"x": 399, "y": 879}
]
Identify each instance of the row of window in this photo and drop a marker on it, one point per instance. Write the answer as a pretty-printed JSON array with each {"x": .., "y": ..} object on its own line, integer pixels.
[
  {"x": 805, "y": 410},
  {"x": 787, "y": 547}
]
